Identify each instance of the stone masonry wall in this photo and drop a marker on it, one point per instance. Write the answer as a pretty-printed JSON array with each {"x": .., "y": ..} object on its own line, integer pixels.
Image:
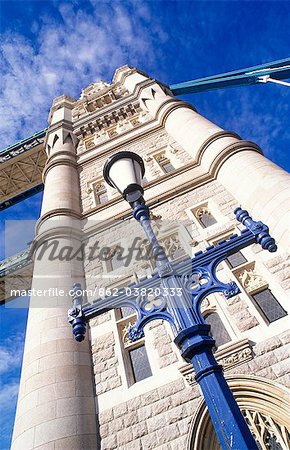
[{"x": 160, "y": 419}]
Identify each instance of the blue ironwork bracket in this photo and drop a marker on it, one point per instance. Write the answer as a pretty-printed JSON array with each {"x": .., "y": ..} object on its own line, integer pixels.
[
  {"x": 178, "y": 292},
  {"x": 175, "y": 295}
]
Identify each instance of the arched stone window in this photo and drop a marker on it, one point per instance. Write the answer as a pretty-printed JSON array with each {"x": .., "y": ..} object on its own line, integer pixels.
[
  {"x": 264, "y": 404},
  {"x": 136, "y": 361},
  {"x": 164, "y": 162},
  {"x": 101, "y": 194},
  {"x": 217, "y": 329}
]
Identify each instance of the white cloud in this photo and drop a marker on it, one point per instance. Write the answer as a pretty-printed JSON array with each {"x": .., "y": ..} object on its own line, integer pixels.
[
  {"x": 11, "y": 353},
  {"x": 67, "y": 54},
  {"x": 10, "y": 363},
  {"x": 8, "y": 395}
]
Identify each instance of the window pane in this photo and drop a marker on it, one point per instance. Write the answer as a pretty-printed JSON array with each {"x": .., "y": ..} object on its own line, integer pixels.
[
  {"x": 217, "y": 329},
  {"x": 236, "y": 259},
  {"x": 273, "y": 444},
  {"x": 269, "y": 305},
  {"x": 168, "y": 167},
  {"x": 140, "y": 364},
  {"x": 116, "y": 263},
  {"x": 126, "y": 311},
  {"x": 207, "y": 219},
  {"x": 103, "y": 198}
]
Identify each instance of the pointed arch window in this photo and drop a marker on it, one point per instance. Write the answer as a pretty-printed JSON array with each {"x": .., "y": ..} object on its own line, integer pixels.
[
  {"x": 137, "y": 365},
  {"x": 101, "y": 194},
  {"x": 264, "y": 406}
]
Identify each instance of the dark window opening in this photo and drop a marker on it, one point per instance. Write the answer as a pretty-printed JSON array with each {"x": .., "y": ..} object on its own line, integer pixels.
[
  {"x": 236, "y": 260},
  {"x": 269, "y": 305},
  {"x": 217, "y": 329},
  {"x": 205, "y": 217},
  {"x": 140, "y": 364}
]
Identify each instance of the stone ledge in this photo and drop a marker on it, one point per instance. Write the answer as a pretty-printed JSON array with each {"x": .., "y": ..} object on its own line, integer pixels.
[{"x": 231, "y": 355}]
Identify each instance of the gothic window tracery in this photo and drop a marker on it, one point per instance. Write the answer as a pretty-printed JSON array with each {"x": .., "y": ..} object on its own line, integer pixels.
[
  {"x": 265, "y": 408},
  {"x": 100, "y": 192},
  {"x": 268, "y": 305},
  {"x": 257, "y": 288},
  {"x": 268, "y": 434},
  {"x": 137, "y": 365}
]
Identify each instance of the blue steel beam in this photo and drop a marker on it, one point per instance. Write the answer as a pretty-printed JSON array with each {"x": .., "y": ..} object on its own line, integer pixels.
[
  {"x": 22, "y": 146},
  {"x": 279, "y": 70},
  {"x": 20, "y": 197},
  {"x": 17, "y": 149}
]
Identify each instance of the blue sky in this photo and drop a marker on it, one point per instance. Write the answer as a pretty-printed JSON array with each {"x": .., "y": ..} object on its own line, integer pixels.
[{"x": 57, "y": 47}]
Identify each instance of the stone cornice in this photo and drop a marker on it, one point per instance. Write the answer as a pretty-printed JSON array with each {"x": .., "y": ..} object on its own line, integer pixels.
[
  {"x": 58, "y": 162},
  {"x": 173, "y": 103},
  {"x": 67, "y": 213},
  {"x": 104, "y": 111},
  {"x": 230, "y": 355},
  {"x": 127, "y": 138},
  {"x": 214, "y": 137},
  {"x": 230, "y": 150}
]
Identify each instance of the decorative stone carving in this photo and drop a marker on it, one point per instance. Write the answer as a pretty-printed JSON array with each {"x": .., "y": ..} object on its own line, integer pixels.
[
  {"x": 124, "y": 126},
  {"x": 250, "y": 279},
  {"x": 127, "y": 328},
  {"x": 161, "y": 157},
  {"x": 101, "y": 137},
  {"x": 106, "y": 119},
  {"x": 237, "y": 357},
  {"x": 172, "y": 246},
  {"x": 266, "y": 430},
  {"x": 95, "y": 90},
  {"x": 231, "y": 355}
]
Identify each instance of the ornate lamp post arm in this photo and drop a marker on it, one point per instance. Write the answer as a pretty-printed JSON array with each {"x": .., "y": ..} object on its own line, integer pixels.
[{"x": 180, "y": 293}]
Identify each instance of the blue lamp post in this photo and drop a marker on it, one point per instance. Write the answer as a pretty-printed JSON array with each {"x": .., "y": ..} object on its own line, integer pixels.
[{"x": 179, "y": 299}]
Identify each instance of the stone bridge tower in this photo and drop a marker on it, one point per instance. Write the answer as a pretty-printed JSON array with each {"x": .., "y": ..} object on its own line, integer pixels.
[{"x": 106, "y": 393}]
